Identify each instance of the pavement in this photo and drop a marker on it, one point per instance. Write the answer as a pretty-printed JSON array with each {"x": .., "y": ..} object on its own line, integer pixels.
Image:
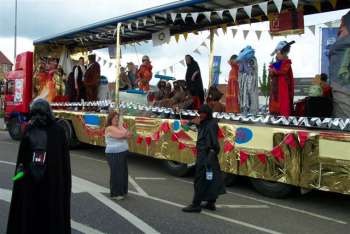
[
  {"x": 2, "y": 124},
  {"x": 155, "y": 200}
]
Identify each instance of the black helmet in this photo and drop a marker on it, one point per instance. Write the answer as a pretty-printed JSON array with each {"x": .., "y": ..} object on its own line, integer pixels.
[{"x": 40, "y": 113}]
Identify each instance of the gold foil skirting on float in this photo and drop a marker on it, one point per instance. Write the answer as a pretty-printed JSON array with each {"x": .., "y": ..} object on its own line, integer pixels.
[{"x": 306, "y": 166}]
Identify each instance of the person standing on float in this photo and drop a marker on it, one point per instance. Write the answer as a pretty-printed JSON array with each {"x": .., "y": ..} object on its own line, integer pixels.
[
  {"x": 144, "y": 74},
  {"x": 282, "y": 82},
  {"x": 205, "y": 188},
  {"x": 92, "y": 78},
  {"x": 232, "y": 93},
  {"x": 194, "y": 81},
  {"x": 339, "y": 70},
  {"x": 248, "y": 81}
]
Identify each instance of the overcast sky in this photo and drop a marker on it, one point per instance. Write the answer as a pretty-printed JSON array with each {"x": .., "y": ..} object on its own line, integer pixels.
[{"x": 40, "y": 18}]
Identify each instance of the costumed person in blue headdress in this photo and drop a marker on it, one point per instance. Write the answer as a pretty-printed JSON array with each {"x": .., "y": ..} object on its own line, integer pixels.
[
  {"x": 248, "y": 81},
  {"x": 339, "y": 70},
  {"x": 282, "y": 81}
]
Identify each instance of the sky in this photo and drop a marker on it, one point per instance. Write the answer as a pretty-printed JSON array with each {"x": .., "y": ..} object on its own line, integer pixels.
[{"x": 41, "y": 18}]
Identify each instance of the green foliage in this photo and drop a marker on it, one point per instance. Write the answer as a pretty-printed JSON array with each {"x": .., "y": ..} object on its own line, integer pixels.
[{"x": 265, "y": 83}]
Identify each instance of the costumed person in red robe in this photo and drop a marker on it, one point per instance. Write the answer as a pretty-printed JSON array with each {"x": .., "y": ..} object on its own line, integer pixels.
[
  {"x": 144, "y": 74},
  {"x": 326, "y": 88},
  {"x": 232, "y": 93},
  {"x": 282, "y": 81},
  {"x": 92, "y": 78},
  {"x": 41, "y": 192}
]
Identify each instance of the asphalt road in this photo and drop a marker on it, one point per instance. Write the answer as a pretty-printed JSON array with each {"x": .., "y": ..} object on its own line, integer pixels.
[{"x": 155, "y": 200}]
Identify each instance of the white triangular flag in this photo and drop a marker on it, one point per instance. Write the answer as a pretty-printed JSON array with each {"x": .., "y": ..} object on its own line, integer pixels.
[
  {"x": 234, "y": 32},
  {"x": 207, "y": 14},
  {"x": 220, "y": 14},
  {"x": 295, "y": 3},
  {"x": 204, "y": 44},
  {"x": 154, "y": 18},
  {"x": 183, "y": 62},
  {"x": 312, "y": 28},
  {"x": 130, "y": 27},
  {"x": 137, "y": 24},
  {"x": 245, "y": 33},
  {"x": 183, "y": 16},
  {"x": 104, "y": 62},
  {"x": 194, "y": 16},
  {"x": 110, "y": 65},
  {"x": 233, "y": 13},
  {"x": 263, "y": 6},
  {"x": 258, "y": 34},
  {"x": 216, "y": 32},
  {"x": 98, "y": 59},
  {"x": 248, "y": 10},
  {"x": 144, "y": 21},
  {"x": 173, "y": 16},
  {"x": 196, "y": 51},
  {"x": 278, "y": 4},
  {"x": 171, "y": 68}
]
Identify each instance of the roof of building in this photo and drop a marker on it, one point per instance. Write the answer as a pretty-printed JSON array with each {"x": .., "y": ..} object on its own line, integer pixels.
[
  {"x": 102, "y": 34},
  {"x": 4, "y": 59}
]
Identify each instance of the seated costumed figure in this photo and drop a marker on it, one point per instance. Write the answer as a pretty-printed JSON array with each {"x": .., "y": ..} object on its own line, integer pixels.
[
  {"x": 213, "y": 99},
  {"x": 282, "y": 81},
  {"x": 186, "y": 101},
  {"x": 248, "y": 81}
]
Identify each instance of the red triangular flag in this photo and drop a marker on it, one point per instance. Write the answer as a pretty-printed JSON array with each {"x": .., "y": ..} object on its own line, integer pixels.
[
  {"x": 194, "y": 151},
  {"x": 220, "y": 133},
  {"x": 243, "y": 157},
  {"x": 165, "y": 127},
  {"x": 277, "y": 152},
  {"x": 262, "y": 158},
  {"x": 139, "y": 140},
  {"x": 148, "y": 140},
  {"x": 228, "y": 147},
  {"x": 303, "y": 136},
  {"x": 289, "y": 140},
  {"x": 181, "y": 146},
  {"x": 156, "y": 136},
  {"x": 174, "y": 137}
]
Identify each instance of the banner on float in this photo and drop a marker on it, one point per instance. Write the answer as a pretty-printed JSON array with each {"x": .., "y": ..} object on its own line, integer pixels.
[
  {"x": 216, "y": 70},
  {"x": 329, "y": 36},
  {"x": 161, "y": 37}
]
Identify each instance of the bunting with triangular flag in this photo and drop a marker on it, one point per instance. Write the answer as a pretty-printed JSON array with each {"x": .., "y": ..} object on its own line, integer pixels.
[
  {"x": 171, "y": 68},
  {"x": 263, "y": 6},
  {"x": 234, "y": 32},
  {"x": 224, "y": 28},
  {"x": 245, "y": 34},
  {"x": 258, "y": 34},
  {"x": 183, "y": 63},
  {"x": 173, "y": 16},
  {"x": 248, "y": 10},
  {"x": 233, "y": 13},
  {"x": 185, "y": 34},
  {"x": 196, "y": 51},
  {"x": 177, "y": 37},
  {"x": 312, "y": 29},
  {"x": 278, "y": 4},
  {"x": 207, "y": 14},
  {"x": 216, "y": 32},
  {"x": 295, "y": 3},
  {"x": 333, "y": 3},
  {"x": 194, "y": 16},
  {"x": 317, "y": 5},
  {"x": 130, "y": 27},
  {"x": 183, "y": 16},
  {"x": 220, "y": 14},
  {"x": 144, "y": 21}
]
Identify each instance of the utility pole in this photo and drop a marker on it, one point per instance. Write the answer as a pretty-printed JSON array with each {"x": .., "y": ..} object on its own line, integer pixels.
[{"x": 15, "y": 46}]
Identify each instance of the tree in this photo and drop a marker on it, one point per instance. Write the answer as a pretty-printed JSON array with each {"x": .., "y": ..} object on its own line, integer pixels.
[{"x": 264, "y": 82}]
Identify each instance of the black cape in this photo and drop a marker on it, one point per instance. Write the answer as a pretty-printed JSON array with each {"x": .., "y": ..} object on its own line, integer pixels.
[
  {"x": 195, "y": 86},
  {"x": 42, "y": 205},
  {"x": 208, "y": 190}
]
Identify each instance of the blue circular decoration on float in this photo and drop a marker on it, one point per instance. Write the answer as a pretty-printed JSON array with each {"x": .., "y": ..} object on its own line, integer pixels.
[
  {"x": 243, "y": 135},
  {"x": 176, "y": 125}
]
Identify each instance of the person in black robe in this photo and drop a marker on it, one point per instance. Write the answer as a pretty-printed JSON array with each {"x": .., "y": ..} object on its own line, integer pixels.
[
  {"x": 41, "y": 198},
  {"x": 194, "y": 81},
  {"x": 208, "y": 180}
]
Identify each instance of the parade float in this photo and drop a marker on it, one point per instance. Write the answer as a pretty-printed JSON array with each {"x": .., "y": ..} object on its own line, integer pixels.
[{"x": 278, "y": 154}]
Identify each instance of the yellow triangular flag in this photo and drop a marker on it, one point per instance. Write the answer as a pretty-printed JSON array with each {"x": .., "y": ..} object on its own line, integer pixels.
[
  {"x": 224, "y": 28},
  {"x": 317, "y": 5},
  {"x": 334, "y": 3},
  {"x": 185, "y": 34},
  {"x": 177, "y": 37}
]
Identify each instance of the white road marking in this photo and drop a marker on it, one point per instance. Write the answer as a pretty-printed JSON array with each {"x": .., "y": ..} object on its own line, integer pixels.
[
  {"x": 150, "y": 178},
  {"x": 88, "y": 158},
  {"x": 84, "y": 228},
  {"x": 124, "y": 213},
  {"x": 8, "y": 163},
  {"x": 279, "y": 205},
  {"x": 8, "y": 143},
  {"x": 136, "y": 186},
  {"x": 6, "y": 194},
  {"x": 242, "y": 206}
]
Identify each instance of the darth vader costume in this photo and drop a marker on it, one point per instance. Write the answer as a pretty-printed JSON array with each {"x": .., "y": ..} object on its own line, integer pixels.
[
  {"x": 41, "y": 198},
  {"x": 207, "y": 189}
]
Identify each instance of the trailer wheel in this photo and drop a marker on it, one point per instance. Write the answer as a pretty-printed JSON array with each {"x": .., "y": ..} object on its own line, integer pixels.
[
  {"x": 272, "y": 189},
  {"x": 14, "y": 128},
  {"x": 176, "y": 168},
  {"x": 229, "y": 179},
  {"x": 68, "y": 130}
]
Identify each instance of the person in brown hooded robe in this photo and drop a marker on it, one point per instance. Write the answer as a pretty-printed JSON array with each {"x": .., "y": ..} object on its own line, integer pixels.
[{"x": 91, "y": 78}]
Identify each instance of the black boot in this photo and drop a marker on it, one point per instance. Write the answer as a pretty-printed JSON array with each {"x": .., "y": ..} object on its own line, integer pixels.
[
  {"x": 192, "y": 208},
  {"x": 209, "y": 206}
]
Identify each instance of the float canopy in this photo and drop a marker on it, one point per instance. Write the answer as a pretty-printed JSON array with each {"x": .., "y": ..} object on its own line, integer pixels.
[{"x": 102, "y": 34}]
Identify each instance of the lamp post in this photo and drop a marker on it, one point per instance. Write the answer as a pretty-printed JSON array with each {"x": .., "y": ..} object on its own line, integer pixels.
[{"x": 15, "y": 46}]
